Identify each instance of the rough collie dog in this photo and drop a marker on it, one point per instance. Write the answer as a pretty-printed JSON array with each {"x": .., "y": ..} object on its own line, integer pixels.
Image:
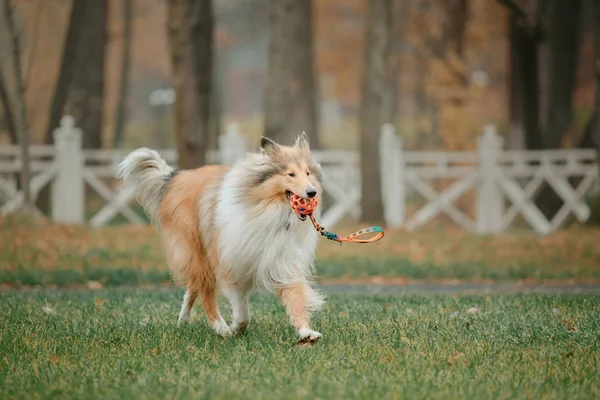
[{"x": 231, "y": 229}]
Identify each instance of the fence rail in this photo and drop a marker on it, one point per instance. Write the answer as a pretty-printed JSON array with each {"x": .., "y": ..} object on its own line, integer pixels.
[{"x": 503, "y": 183}]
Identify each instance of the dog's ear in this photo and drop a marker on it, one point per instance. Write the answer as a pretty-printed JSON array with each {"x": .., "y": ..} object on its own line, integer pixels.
[
  {"x": 302, "y": 141},
  {"x": 268, "y": 146}
]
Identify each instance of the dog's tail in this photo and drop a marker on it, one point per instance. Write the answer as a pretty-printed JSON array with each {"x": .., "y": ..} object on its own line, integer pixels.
[{"x": 148, "y": 175}]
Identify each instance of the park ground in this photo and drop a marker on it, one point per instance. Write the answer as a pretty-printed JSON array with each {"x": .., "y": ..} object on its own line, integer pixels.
[
  {"x": 42, "y": 254},
  {"x": 90, "y": 313}
]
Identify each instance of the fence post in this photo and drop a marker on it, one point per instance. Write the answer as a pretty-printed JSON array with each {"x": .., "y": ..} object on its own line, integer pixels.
[
  {"x": 490, "y": 201},
  {"x": 67, "y": 188},
  {"x": 232, "y": 145},
  {"x": 392, "y": 183}
]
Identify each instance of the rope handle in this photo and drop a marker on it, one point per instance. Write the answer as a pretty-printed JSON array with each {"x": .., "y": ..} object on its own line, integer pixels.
[
  {"x": 354, "y": 237},
  {"x": 306, "y": 207}
]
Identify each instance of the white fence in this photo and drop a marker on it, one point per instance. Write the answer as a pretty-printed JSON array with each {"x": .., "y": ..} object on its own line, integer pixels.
[{"x": 502, "y": 183}]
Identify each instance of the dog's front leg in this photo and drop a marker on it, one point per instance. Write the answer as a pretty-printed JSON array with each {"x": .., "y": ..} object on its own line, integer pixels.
[
  {"x": 238, "y": 298},
  {"x": 299, "y": 300}
]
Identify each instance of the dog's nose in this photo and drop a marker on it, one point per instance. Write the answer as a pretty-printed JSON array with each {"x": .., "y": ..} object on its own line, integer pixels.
[{"x": 311, "y": 193}]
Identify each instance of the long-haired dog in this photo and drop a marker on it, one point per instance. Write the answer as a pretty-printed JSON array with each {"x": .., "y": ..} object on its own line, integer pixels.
[{"x": 230, "y": 229}]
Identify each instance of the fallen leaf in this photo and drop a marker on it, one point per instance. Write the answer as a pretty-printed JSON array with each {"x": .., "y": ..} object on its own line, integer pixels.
[
  {"x": 569, "y": 324},
  {"x": 156, "y": 351}
]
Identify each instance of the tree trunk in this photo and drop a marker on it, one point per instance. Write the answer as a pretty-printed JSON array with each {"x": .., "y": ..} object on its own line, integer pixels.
[
  {"x": 216, "y": 107},
  {"x": 67, "y": 66},
  {"x": 86, "y": 97},
  {"x": 563, "y": 46},
  {"x": 524, "y": 105},
  {"x": 291, "y": 92},
  {"x": 119, "y": 133},
  {"x": 21, "y": 110},
  {"x": 371, "y": 110},
  {"x": 201, "y": 26},
  {"x": 591, "y": 136},
  {"x": 190, "y": 25},
  {"x": 561, "y": 64},
  {"x": 458, "y": 16},
  {"x": 396, "y": 44},
  {"x": 66, "y": 73},
  {"x": 7, "y": 112}
]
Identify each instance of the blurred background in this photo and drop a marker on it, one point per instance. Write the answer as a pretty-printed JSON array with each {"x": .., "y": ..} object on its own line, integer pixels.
[{"x": 403, "y": 101}]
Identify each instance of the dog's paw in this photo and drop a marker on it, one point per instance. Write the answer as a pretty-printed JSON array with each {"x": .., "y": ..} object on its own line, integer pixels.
[
  {"x": 222, "y": 329},
  {"x": 239, "y": 327},
  {"x": 308, "y": 335}
]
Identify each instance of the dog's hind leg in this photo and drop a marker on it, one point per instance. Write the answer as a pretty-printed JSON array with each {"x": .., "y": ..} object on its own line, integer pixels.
[
  {"x": 205, "y": 283},
  {"x": 186, "y": 308},
  {"x": 299, "y": 300}
]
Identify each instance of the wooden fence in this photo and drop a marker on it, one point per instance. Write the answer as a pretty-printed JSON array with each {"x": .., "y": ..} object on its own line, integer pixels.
[{"x": 502, "y": 183}]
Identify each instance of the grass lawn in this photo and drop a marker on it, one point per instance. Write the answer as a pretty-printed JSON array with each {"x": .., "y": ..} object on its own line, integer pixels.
[
  {"x": 43, "y": 254},
  {"x": 124, "y": 343}
]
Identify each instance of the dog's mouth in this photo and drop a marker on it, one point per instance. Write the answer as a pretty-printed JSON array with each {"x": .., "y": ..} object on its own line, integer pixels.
[
  {"x": 290, "y": 198},
  {"x": 302, "y": 206}
]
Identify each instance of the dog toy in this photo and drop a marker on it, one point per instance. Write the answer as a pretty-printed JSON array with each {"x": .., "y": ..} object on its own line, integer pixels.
[{"x": 305, "y": 207}]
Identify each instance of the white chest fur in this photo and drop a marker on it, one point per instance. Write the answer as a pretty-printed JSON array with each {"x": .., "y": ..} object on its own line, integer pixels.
[{"x": 272, "y": 246}]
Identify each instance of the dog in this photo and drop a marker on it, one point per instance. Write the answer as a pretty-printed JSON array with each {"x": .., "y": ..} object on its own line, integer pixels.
[{"x": 231, "y": 230}]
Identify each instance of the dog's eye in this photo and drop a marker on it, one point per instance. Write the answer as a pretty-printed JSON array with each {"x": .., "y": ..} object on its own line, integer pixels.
[
  {"x": 307, "y": 173},
  {"x": 292, "y": 174}
]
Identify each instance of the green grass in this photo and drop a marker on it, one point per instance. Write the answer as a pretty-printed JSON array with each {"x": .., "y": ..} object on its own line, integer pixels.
[
  {"x": 42, "y": 253},
  {"x": 124, "y": 343},
  {"x": 113, "y": 268}
]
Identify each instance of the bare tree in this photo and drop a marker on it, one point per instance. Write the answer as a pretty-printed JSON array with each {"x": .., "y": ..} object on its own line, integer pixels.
[
  {"x": 291, "y": 92},
  {"x": 563, "y": 48},
  {"x": 190, "y": 25},
  {"x": 523, "y": 91},
  {"x": 67, "y": 66},
  {"x": 202, "y": 22},
  {"x": 372, "y": 103},
  {"x": 125, "y": 70},
  {"x": 21, "y": 111},
  {"x": 591, "y": 135},
  {"x": 86, "y": 95},
  {"x": 7, "y": 111},
  {"x": 526, "y": 30}
]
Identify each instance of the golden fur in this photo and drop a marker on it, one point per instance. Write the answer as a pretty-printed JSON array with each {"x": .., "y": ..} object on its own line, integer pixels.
[{"x": 210, "y": 218}]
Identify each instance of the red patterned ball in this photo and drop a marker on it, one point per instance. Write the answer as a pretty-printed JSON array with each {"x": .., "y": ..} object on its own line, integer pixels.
[{"x": 303, "y": 206}]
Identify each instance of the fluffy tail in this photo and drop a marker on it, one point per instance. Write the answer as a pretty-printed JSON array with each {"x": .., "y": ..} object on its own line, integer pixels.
[{"x": 146, "y": 173}]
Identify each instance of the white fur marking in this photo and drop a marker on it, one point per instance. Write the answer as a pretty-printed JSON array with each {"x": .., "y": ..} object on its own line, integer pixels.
[
  {"x": 268, "y": 242},
  {"x": 221, "y": 328},
  {"x": 238, "y": 298},
  {"x": 309, "y": 334},
  {"x": 186, "y": 310}
]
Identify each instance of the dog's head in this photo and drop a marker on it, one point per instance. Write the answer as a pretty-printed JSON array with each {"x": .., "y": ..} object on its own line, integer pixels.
[{"x": 287, "y": 170}]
